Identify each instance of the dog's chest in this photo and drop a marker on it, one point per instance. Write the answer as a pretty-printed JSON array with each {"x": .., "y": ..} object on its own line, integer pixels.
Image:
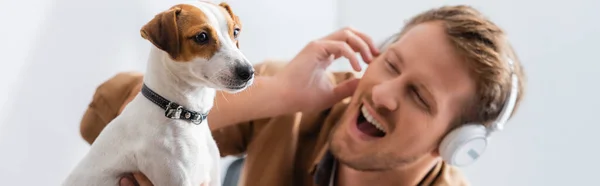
[
  {"x": 180, "y": 142},
  {"x": 187, "y": 146},
  {"x": 183, "y": 140}
]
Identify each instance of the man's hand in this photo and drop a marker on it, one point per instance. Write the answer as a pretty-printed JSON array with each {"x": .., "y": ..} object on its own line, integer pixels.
[
  {"x": 304, "y": 80},
  {"x": 135, "y": 179}
]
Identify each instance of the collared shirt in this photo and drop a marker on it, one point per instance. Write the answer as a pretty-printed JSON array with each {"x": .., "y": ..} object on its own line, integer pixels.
[{"x": 280, "y": 151}]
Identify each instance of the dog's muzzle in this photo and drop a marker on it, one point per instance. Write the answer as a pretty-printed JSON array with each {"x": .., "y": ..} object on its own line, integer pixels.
[{"x": 243, "y": 72}]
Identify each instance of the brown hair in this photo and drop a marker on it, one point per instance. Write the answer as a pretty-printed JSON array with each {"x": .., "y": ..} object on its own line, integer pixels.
[{"x": 486, "y": 50}]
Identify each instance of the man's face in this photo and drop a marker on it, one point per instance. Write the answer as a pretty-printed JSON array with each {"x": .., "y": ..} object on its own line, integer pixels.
[{"x": 410, "y": 93}]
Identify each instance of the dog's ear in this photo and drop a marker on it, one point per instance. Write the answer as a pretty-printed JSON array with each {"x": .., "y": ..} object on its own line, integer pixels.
[
  {"x": 235, "y": 18},
  {"x": 228, "y": 9},
  {"x": 162, "y": 31}
]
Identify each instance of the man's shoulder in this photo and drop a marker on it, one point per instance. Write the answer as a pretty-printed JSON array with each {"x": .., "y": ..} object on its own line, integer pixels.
[
  {"x": 107, "y": 102},
  {"x": 120, "y": 83},
  {"x": 118, "y": 90}
]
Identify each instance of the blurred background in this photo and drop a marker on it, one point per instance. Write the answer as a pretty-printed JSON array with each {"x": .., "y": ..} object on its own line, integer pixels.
[{"x": 56, "y": 52}]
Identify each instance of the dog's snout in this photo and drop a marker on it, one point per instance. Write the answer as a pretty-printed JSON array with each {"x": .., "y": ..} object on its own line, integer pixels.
[{"x": 244, "y": 72}]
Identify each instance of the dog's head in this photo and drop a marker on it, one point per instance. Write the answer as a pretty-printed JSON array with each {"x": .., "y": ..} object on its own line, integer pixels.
[{"x": 200, "y": 44}]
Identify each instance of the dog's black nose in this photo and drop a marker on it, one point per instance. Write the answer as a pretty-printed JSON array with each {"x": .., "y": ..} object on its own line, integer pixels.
[{"x": 244, "y": 72}]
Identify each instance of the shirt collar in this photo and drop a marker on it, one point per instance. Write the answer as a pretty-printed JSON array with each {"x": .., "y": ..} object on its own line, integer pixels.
[{"x": 323, "y": 168}]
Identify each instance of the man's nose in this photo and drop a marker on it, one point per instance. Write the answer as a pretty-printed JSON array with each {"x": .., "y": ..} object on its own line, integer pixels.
[{"x": 384, "y": 96}]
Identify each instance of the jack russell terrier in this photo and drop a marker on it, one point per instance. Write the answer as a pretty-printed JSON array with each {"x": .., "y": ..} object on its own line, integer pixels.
[{"x": 163, "y": 131}]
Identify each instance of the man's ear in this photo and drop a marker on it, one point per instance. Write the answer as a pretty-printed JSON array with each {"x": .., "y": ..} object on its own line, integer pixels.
[
  {"x": 235, "y": 18},
  {"x": 162, "y": 31}
]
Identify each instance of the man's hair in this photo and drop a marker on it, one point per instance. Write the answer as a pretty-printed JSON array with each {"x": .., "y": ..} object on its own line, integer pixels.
[{"x": 486, "y": 50}]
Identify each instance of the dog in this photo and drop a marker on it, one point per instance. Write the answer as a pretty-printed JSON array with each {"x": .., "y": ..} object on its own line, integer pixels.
[{"x": 163, "y": 132}]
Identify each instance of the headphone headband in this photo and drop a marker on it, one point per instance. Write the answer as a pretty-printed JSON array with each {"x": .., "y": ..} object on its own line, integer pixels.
[{"x": 510, "y": 102}]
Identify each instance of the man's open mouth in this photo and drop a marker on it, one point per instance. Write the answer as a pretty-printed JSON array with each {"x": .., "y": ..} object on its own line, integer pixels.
[{"x": 367, "y": 124}]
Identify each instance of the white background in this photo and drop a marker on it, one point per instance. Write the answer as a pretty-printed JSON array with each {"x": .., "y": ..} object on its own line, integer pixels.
[{"x": 54, "y": 53}]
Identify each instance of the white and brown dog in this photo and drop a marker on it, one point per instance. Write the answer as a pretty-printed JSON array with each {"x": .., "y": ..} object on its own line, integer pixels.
[{"x": 163, "y": 131}]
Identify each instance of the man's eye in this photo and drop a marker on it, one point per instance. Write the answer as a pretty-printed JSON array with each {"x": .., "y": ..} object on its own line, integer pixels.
[
  {"x": 419, "y": 98},
  {"x": 392, "y": 67}
]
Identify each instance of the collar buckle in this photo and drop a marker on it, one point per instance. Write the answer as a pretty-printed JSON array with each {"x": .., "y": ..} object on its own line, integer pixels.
[
  {"x": 173, "y": 110},
  {"x": 198, "y": 118}
]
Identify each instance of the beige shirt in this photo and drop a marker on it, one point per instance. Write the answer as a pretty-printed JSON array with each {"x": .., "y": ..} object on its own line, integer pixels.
[{"x": 284, "y": 150}]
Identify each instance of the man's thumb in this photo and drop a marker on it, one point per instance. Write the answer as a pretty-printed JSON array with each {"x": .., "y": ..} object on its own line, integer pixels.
[{"x": 345, "y": 89}]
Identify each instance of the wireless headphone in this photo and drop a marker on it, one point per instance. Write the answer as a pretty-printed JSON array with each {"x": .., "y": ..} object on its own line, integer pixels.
[{"x": 465, "y": 144}]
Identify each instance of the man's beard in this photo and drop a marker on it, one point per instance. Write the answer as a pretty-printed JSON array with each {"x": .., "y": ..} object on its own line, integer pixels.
[
  {"x": 369, "y": 162},
  {"x": 372, "y": 163}
]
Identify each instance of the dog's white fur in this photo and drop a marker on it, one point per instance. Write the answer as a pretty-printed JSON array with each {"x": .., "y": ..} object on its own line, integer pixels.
[{"x": 170, "y": 152}]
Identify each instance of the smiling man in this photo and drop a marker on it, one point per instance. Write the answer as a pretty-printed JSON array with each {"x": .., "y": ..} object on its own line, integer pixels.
[{"x": 301, "y": 125}]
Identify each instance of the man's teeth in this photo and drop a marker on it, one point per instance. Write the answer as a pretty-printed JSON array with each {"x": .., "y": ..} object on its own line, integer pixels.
[{"x": 371, "y": 119}]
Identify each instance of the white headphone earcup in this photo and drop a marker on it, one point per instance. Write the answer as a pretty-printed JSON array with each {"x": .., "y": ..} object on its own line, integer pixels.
[{"x": 464, "y": 145}]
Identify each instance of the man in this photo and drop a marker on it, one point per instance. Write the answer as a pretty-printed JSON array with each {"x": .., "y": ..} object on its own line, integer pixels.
[{"x": 299, "y": 125}]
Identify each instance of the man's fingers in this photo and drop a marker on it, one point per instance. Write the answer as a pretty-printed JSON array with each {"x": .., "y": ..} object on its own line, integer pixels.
[
  {"x": 345, "y": 89},
  {"x": 142, "y": 180},
  {"x": 359, "y": 45},
  {"x": 339, "y": 48},
  {"x": 367, "y": 39},
  {"x": 356, "y": 43},
  {"x": 359, "y": 41},
  {"x": 127, "y": 180}
]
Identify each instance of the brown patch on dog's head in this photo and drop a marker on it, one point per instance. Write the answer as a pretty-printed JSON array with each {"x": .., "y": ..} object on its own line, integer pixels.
[
  {"x": 183, "y": 32},
  {"x": 234, "y": 23},
  {"x": 162, "y": 31}
]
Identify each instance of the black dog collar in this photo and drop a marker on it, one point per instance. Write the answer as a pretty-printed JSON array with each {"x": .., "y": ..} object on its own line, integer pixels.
[{"x": 172, "y": 109}]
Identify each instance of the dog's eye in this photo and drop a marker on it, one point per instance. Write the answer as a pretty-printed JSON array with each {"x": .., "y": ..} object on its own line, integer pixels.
[
  {"x": 201, "y": 38},
  {"x": 236, "y": 32}
]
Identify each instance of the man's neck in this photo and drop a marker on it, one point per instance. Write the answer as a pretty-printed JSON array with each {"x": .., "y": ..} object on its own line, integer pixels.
[{"x": 406, "y": 176}]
